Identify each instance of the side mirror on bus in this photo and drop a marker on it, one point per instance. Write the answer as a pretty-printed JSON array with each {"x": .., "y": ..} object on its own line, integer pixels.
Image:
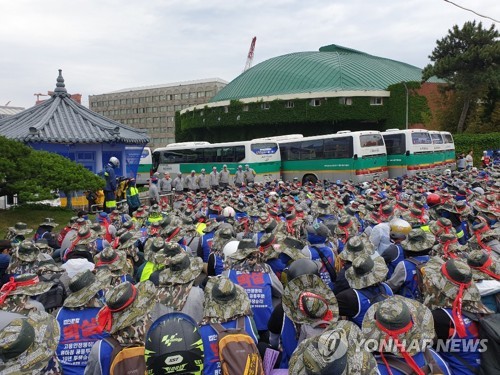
[
  {"x": 407, "y": 153},
  {"x": 355, "y": 157}
]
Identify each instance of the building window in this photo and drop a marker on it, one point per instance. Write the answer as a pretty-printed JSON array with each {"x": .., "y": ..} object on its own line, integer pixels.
[
  {"x": 245, "y": 108},
  {"x": 345, "y": 101},
  {"x": 289, "y": 104},
  {"x": 201, "y": 94},
  {"x": 315, "y": 102},
  {"x": 177, "y": 96},
  {"x": 265, "y": 106},
  {"x": 209, "y": 93},
  {"x": 170, "y": 97},
  {"x": 185, "y": 96},
  {"x": 376, "y": 101},
  {"x": 192, "y": 95}
]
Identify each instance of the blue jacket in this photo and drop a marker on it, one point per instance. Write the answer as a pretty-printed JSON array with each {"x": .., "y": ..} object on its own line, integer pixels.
[{"x": 110, "y": 176}]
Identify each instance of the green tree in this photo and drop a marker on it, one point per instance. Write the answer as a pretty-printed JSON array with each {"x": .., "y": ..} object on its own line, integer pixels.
[
  {"x": 35, "y": 175},
  {"x": 469, "y": 60}
]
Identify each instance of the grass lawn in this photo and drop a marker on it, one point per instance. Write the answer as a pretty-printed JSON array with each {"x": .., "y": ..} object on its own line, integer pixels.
[{"x": 33, "y": 216}]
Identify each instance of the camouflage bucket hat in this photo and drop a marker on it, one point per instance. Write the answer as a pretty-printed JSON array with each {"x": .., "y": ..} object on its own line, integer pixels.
[
  {"x": 181, "y": 269},
  {"x": 322, "y": 207},
  {"x": 395, "y": 313},
  {"x": 439, "y": 291},
  {"x": 27, "y": 251},
  {"x": 49, "y": 222},
  {"x": 152, "y": 246},
  {"x": 43, "y": 245},
  {"x": 211, "y": 226},
  {"x": 20, "y": 229},
  {"x": 346, "y": 227},
  {"x": 225, "y": 300},
  {"x": 418, "y": 240},
  {"x": 222, "y": 236},
  {"x": 85, "y": 285},
  {"x": 47, "y": 264},
  {"x": 114, "y": 260},
  {"x": 441, "y": 225},
  {"x": 307, "y": 299},
  {"x": 355, "y": 247},
  {"x": 483, "y": 265},
  {"x": 27, "y": 284},
  {"x": 246, "y": 248},
  {"x": 126, "y": 304},
  {"x": 27, "y": 343},
  {"x": 366, "y": 271},
  {"x": 173, "y": 233},
  {"x": 289, "y": 246},
  {"x": 448, "y": 243},
  {"x": 85, "y": 236},
  {"x": 325, "y": 349},
  {"x": 128, "y": 239}
]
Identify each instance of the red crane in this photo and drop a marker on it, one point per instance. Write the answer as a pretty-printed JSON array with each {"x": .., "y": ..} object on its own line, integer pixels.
[{"x": 248, "y": 65}]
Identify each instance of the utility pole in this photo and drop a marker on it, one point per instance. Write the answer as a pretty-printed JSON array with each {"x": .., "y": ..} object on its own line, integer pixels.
[{"x": 406, "y": 112}]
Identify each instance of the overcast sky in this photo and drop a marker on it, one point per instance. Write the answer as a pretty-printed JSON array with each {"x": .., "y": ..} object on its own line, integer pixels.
[{"x": 108, "y": 45}]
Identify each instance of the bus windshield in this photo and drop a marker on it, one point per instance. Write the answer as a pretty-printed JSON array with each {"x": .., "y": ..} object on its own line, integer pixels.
[
  {"x": 395, "y": 144},
  {"x": 371, "y": 140},
  {"x": 436, "y": 138}
]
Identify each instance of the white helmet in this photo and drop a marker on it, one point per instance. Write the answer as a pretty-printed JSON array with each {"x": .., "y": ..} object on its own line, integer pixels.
[
  {"x": 228, "y": 212},
  {"x": 365, "y": 185},
  {"x": 114, "y": 161},
  {"x": 399, "y": 228},
  {"x": 368, "y": 191},
  {"x": 230, "y": 248},
  {"x": 447, "y": 172}
]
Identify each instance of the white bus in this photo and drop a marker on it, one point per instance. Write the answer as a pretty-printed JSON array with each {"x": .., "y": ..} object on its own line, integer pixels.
[
  {"x": 262, "y": 156},
  {"x": 357, "y": 156},
  {"x": 439, "y": 151},
  {"x": 449, "y": 151},
  {"x": 408, "y": 151},
  {"x": 144, "y": 169}
]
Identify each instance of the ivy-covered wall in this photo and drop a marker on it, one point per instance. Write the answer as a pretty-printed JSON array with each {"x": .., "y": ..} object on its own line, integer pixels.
[{"x": 240, "y": 121}]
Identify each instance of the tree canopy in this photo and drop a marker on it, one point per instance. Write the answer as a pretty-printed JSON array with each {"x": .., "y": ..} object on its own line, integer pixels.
[
  {"x": 35, "y": 175},
  {"x": 468, "y": 59}
]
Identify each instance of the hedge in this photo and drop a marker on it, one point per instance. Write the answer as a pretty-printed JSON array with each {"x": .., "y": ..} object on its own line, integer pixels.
[{"x": 476, "y": 142}]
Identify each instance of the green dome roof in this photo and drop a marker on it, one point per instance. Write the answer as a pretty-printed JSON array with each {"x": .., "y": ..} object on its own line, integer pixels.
[{"x": 333, "y": 68}]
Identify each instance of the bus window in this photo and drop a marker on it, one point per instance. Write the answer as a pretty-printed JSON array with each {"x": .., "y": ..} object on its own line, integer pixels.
[
  {"x": 395, "y": 144},
  {"x": 290, "y": 151},
  {"x": 264, "y": 148},
  {"x": 311, "y": 149},
  {"x": 421, "y": 138},
  {"x": 447, "y": 138},
  {"x": 339, "y": 147},
  {"x": 239, "y": 153},
  {"x": 371, "y": 140},
  {"x": 436, "y": 138}
]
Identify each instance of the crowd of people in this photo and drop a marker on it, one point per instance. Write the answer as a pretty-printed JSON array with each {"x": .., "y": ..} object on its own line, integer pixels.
[{"x": 327, "y": 278}]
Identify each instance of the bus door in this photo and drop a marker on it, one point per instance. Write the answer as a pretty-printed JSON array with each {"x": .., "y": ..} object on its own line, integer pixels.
[
  {"x": 370, "y": 156},
  {"x": 395, "y": 144},
  {"x": 419, "y": 152}
]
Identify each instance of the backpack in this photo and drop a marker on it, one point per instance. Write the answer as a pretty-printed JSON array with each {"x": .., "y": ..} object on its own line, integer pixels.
[
  {"x": 419, "y": 278},
  {"x": 55, "y": 296},
  {"x": 375, "y": 296},
  {"x": 489, "y": 329},
  {"x": 128, "y": 360},
  {"x": 237, "y": 351}
]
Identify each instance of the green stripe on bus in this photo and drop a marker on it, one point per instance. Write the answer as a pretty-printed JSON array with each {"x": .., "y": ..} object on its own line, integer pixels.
[{"x": 260, "y": 168}]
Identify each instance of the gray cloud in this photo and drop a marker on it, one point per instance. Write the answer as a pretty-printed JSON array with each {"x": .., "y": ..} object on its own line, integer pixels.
[{"x": 107, "y": 45}]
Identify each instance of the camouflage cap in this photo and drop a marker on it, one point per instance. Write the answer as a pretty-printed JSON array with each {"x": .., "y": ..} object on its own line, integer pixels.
[
  {"x": 49, "y": 222},
  {"x": 170, "y": 250},
  {"x": 346, "y": 227},
  {"x": 181, "y": 269},
  {"x": 43, "y": 245},
  {"x": 448, "y": 243},
  {"x": 85, "y": 236},
  {"x": 128, "y": 239},
  {"x": 124, "y": 312},
  {"x": 356, "y": 246},
  {"x": 366, "y": 271},
  {"x": 322, "y": 207},
  {"x": 27, "y": 251},
  {"x": 327, "y": 348},
  {"x": 307, "y": 299},
  {"x": 114, "y": 260},
  {"x": 441, "y": 292},
  {"x": 27, "y": 284},
  {"x": 224, "y": 300},
  {"x": 211, "y": 226},
  {"x": 441, "y": 225},
  {"x": 246, "y": 248},
  {"x": 27, "y": 343},
  {"x": 47, "y": 264},
  {"x": 85, "y": 285},
  {"x": 483, "y": 265},
  {"x": 152, "y": 246},
  {"x": 418, "y": 240},
  {"x": 20, "y": 229},
  {"x": 395, "y": 313}
]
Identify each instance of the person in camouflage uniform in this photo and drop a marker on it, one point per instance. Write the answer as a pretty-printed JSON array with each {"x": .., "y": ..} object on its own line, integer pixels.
[{"x": 24, "y": 259}]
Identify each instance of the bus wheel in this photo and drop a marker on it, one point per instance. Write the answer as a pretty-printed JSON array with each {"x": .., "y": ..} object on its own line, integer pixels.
[{"x": 309, "y": 178}]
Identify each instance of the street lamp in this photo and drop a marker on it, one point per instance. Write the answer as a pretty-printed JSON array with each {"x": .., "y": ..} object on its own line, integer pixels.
[{"x": 406, "y": 114}]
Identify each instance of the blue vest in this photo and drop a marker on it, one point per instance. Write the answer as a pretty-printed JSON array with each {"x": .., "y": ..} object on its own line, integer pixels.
[
  {"x": 239, "y": 215},
  {"x": 219, "y": 265},
  {"x": 328, "y": 252},
  {"x": 364, "y": 302},
  {"x": 419, "y": 360},
  {"x": 278, "y": 264},
  {"x": 361, "y": 223},
  {"x": 206, "y": 245},
  {"x": 211, "y": 348},
  {"x": 471, "y": 357},
  {"x": 78, "y": 335},
  {"x": 258, "y": 286},
  {"x": 258, "y": 236},
  {"x": 392, "y": 265},
  {"x": 409, "y": 289},
  {"x": 289, "y": 341},
  {"x": 340, "y": 246}
]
